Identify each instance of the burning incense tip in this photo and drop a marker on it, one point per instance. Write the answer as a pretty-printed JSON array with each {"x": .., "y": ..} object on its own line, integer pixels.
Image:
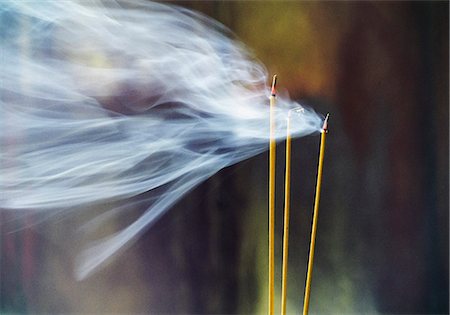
[
  {"x": 325, "y": 124},
  {"x": 274, "y": 85}
]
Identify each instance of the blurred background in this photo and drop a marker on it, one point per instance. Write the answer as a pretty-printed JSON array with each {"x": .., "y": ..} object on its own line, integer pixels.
[{"x": 381, "y": 70}]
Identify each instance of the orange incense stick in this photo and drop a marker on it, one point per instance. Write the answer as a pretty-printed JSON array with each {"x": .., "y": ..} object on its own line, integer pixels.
[
  {"x": 272, "y": 156},
  {"x": 315, "y": 217},
  {"x": 287, "y": 190}
]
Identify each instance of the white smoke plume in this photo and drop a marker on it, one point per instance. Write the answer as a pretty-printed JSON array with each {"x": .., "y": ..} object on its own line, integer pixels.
[{"x": 104, "y": 101}]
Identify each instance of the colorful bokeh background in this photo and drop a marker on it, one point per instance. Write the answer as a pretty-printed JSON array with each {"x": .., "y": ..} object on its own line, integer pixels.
[{"x": 381, "y": 70}]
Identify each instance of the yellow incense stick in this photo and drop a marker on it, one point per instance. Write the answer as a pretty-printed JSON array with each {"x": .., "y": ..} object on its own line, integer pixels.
[
  {"x": 287, "y": 190},
  {"x": 272, "y": 157},
  {"x": 315, "y": 217}
]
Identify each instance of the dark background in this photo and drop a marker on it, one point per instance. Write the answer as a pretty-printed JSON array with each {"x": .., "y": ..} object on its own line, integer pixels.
[{"x": 381, "y": 70}]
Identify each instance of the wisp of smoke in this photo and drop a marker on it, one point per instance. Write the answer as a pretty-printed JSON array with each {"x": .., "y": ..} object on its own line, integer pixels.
[{"x": 104, "y": 101}]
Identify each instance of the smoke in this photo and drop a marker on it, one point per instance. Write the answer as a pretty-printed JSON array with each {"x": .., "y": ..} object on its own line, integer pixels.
[{"x": 104, "y": 101}]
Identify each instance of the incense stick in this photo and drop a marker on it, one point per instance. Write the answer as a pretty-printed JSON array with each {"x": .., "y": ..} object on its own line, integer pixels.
[
  {"x": 272, "y": 156},
  {"x": 287, "y": 190},
  {"x": 315, "y": 217}
]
